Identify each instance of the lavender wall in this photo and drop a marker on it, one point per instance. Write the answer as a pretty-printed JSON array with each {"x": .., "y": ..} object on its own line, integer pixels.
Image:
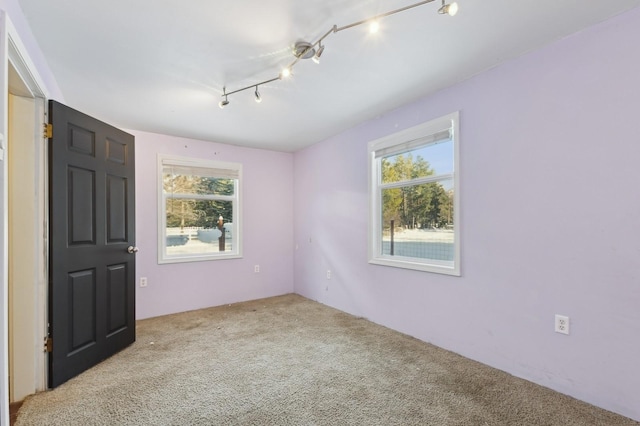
[
  {"x": 267, "y": 227},
  {"x": 550, "y": 151}
]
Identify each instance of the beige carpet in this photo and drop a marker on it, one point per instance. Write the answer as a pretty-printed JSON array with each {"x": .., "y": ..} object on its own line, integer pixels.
[{"x": 291, "y": 361}]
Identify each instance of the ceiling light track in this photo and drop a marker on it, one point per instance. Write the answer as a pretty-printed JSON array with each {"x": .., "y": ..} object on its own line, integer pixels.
[
  {"x": 305, "y": 50},
  {"x": 382, "y": 15}
]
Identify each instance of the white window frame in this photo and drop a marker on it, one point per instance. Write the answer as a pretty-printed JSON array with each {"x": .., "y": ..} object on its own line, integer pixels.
[
  {"x": 233, "y": 169},
  {"x": 397, "y": 143}
]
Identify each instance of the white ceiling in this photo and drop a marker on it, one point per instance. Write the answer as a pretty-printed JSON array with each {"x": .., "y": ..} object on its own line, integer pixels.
[{"x": 160, "y": 65}]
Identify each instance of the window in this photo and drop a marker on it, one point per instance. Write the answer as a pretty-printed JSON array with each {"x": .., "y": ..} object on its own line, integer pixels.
[
  {"x": 415, "y": 209},
  {"x": 199, "y": 211}
]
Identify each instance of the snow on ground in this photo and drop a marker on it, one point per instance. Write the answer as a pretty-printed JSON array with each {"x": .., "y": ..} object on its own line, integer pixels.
[{"x": 427, "y": 235}]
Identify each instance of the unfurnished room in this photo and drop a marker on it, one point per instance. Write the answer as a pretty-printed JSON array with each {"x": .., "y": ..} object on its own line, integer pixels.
[{"x": 320, "y": 213}]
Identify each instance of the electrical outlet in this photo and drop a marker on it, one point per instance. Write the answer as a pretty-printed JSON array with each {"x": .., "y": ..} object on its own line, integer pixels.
[
  {"x": 562, "y": 324},
  {"x": 328, "y": 274},
  {"x": 256, "y": 268},
  {"x": 143, "y": 282}
]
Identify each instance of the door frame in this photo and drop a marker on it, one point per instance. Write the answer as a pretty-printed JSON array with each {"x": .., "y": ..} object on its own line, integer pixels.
[{"x": 14, "y": 52}]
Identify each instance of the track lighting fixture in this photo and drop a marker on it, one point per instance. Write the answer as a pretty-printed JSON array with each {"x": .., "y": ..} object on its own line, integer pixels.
[
  {"x": 448, "y": 9},
  {"x": 223, "y": 103},
  {"x": 316, "y": 57},
  {"x": 306, "y": 50}
]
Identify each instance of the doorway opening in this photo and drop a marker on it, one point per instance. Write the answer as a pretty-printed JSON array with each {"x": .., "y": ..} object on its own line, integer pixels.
[{"x": 27, "y": 231}]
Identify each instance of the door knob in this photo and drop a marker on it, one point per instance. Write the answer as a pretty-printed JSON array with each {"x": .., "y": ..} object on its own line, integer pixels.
[{"x": 132, "y": 249}]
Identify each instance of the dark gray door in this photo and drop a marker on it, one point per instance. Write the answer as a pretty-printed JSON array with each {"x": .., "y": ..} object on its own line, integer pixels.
[{"x": 92, "y": 226}]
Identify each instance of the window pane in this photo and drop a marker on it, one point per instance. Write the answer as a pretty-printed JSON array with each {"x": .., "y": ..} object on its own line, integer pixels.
[
  {"x": 192, "y": 227},
  {"x": 195, "y": 195},
  {"x": 422, "y": 217},
  {"x": 413, "y": 183},
  {"x": 193, "y": 184},
  {"x": 433, "y": 159}
]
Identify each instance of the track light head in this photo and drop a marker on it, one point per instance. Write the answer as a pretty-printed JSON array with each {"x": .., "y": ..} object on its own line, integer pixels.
[
  {"x": 316, "y": 57},
  {"x": 286, "y": 72},
  {"x": 223, "y": 103},
  {"x": 258, "y": 97},
  {"x": 448, "y": 9}
]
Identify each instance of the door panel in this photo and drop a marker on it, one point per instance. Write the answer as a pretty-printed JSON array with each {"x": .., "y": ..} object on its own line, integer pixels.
[
  {"x": 82, "y": 210},
  {"x": 117, "y": 293},
  {"x": 116, "y": 209},
  {"x": 92, "y": 210},
  {"x": 82, "y": 295}
]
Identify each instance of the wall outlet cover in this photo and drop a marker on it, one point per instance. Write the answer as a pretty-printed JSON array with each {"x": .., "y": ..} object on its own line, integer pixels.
[{"x": 562, "y": 324}]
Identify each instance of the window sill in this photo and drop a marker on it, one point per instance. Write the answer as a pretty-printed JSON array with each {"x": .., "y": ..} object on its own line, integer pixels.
[
  {"x": 184, "y": 259},
  {"x": 445, "y": 268}
]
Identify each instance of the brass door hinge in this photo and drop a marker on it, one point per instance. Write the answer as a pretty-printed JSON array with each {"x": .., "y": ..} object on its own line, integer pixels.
[
  {"x": 48, "y": 344},
  {"x": 48, "y": 131}
]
